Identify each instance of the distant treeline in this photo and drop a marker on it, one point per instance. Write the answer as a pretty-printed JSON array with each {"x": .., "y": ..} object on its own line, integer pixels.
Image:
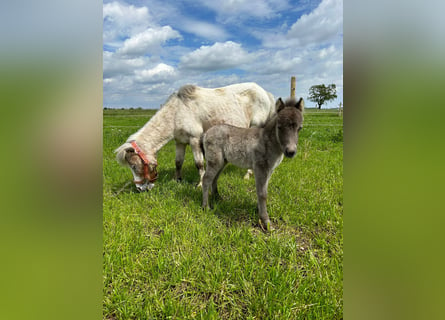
[{"x": 139, "y": 108}]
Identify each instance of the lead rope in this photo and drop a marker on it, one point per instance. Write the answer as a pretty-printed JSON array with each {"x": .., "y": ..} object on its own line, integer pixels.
[{"x": 122, "y": 189}]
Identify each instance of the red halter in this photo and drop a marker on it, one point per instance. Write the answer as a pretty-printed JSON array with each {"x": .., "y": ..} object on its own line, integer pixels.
[{"x": 148, "y": 167}]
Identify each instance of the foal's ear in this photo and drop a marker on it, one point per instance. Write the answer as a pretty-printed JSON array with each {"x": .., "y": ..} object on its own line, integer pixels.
[
  {"x": 300, "y": 105},
  {"x": 279, "y": 104}
]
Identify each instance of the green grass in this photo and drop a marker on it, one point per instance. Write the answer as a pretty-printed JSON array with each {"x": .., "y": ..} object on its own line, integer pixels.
[{"x": 166, "y": 258}]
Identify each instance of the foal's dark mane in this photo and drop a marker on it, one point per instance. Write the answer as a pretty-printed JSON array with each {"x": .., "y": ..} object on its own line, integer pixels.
[{"x": 290, "y": 102}]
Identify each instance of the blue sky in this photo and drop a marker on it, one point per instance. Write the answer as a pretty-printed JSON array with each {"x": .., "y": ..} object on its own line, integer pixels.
[{"x": 151, "y": 47}]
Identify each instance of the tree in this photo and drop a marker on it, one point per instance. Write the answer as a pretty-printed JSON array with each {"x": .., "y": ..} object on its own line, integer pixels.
[{"x": 321, "y": 93}]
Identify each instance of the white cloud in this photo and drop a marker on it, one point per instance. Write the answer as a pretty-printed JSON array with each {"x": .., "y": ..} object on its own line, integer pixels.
[
  {"x": 219, "y": 81},
  {"x": 125, "y": 15},
  {"x": 150, "y": 39},
  {"x": 274, "y": 67},
  {"x": 219, "y": 56},
  {"x": 326, "y": 52},
  {"x": 161, "y": 73},
  {"x": 204, "y": 29},
  {"x": 114, "y": 65},
  {"x": 235, "y": 10},
  {"x": 142, "y": 66},
  {"x": 121, "y": 20},
  {"x": 278, "y": 61},
  {"x": 319, "y": 27}
]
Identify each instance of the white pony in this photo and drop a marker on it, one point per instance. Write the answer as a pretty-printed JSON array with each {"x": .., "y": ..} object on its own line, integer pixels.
[{"x": 185, "y": 116}]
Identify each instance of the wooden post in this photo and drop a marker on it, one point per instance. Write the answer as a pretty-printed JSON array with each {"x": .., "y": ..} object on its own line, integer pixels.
[{"x": 292, "y": 87}]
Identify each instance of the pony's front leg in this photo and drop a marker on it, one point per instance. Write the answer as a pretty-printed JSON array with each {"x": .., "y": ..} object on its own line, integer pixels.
[
  {"x": 199, "y": 159},
  {"x": 179, "y": 160}
]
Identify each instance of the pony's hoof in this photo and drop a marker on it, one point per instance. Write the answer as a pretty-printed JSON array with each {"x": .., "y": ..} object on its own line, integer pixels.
[
  {"x": 145, "y": 187},
  {"x": 248, "y": 174},
  {"x": 199, "y": 185}
]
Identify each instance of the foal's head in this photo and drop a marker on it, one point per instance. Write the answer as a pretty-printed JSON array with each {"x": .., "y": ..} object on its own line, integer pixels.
[{"x": 289, "y": 123}]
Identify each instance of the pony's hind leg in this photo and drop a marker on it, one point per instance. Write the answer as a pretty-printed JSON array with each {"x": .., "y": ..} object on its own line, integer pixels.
[
  {"x": 179, "y": 160},
  {"x": 199, "y": 159}
]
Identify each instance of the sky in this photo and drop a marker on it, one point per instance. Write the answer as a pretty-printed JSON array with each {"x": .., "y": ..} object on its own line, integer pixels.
[{"x": 151, "y": 47}]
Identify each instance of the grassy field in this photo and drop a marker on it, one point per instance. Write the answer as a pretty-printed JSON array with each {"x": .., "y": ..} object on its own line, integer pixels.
[{"x": 165, "y": 258}]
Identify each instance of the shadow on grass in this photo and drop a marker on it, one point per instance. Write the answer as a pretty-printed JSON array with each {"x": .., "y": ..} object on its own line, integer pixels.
[{"x": 230, "y": 209}]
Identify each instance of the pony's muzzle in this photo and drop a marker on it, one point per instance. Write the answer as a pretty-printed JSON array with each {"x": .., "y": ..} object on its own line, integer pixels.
[{"x": 145, "y": 186}]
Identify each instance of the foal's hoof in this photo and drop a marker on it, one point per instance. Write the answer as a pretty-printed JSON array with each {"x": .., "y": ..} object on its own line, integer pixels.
[
  {"x": 216, "y": 196},
  {"x": 266, "y": 226}
]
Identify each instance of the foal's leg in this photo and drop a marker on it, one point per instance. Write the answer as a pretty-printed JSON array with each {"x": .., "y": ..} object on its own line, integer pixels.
[
  {"x": 209, "y": 178},
  {"x": 215, "y": 164},
  {"x": 205, "y": 189},
  {"x": 206, "y": 182},
  {"x": 261, "y": 183},
  {"x": 215, "y": 192},
  {"x": 199, "y": 158},
  {"x": 180, "y": 153}
]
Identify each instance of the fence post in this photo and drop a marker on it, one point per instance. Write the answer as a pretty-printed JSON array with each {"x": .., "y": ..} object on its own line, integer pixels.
[
  {"x": 340, "y": 110},
  {"x": 292, "y": 87}
]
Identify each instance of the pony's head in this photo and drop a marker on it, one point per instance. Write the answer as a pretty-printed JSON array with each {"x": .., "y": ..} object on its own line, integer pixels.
[
  {"x": 289, "y": 123},
  {"x": 144, "y": 172}
]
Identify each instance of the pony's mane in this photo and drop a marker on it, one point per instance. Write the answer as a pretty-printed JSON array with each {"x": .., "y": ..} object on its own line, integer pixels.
[
  {"x": 187, "y": 92},
  {"x": 120, "y": 151}
]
